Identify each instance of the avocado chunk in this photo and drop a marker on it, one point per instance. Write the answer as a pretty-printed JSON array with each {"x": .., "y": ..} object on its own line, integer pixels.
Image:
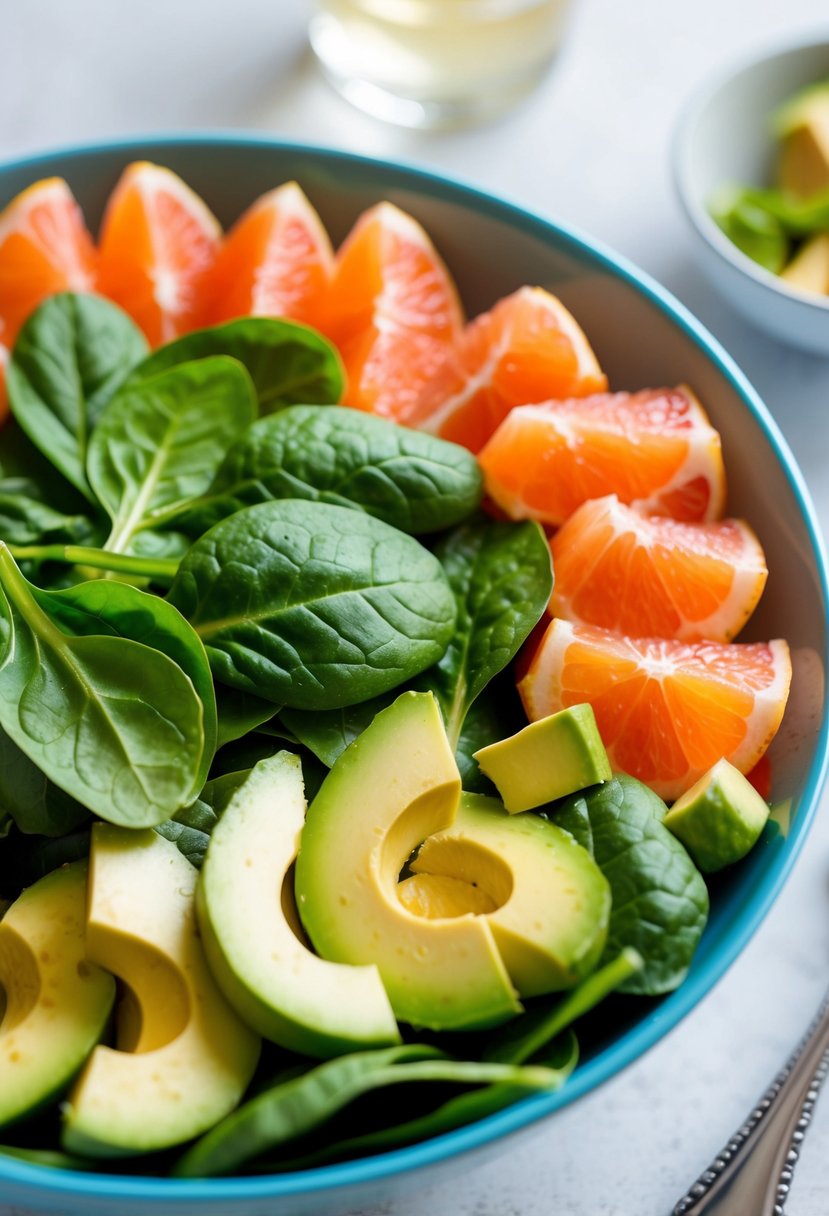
[
  {"x": 270, "y": 977},
  {"x": 552, "y": 900},
  {"x": 719, "y": 819},
  {"x": 548, "y": 759},
  {"x": 809, "y": 268},
  {"x": 803, "y": 127},
  {"x": 57, "y": 1003},
  {"x": 395, "y": 785},
  {"x": 185, "y": 1058}
]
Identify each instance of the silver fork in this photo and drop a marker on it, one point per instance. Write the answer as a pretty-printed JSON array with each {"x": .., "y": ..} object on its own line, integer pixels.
[{"x": 752, "y": 1175}]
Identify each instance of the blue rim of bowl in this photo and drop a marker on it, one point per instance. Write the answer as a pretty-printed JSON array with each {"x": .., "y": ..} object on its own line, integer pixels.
[
  {"x": 673, "y": 1008},
  {"x": 697, "y": 214}
]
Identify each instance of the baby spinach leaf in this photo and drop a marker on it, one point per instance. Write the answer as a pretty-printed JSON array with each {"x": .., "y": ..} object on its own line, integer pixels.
[
  {"x": 328, "y": 734},
  {"x": 239, "y": 713},
  {"x": 501, "y": 576},
  {"x": 105, "y": 607},
  {"x": 495, "y": 714},
  {"x": 25, "y": 519},
  {"x": 69, "y": 357},
  {"x": 660, "y": 901},
  {"x": 190, "y": 828},
  {"x": 113, "y": 722},
  {"x": 287, "y": 362},
  {"x": 299, "y": 1106},
  {"x": 458, "y": 1111},
  {"x": 412, "y": 480},
  {"x": 538, "y": 1027},
  {"x": 30, "y": 799},
  {"x": 160, "y": 441},
  {"x": 314, "y": 606}
]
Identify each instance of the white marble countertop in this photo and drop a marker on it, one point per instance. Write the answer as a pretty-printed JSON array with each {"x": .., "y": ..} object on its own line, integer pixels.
[{"x": 590, "y": 147}]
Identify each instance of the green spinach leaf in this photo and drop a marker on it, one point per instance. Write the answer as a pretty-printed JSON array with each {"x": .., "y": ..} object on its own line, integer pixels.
[
  {"x": 287, "y": 362},
  {"x": 299, "y": 1106},
  {"x": 190, "y": 828},
  {"x": 68, "y": 360},
  {"x": 328, "y": 734},
  {"x": 105, "y": 607},
  {"x": 35, "y": 804},
  {"x": 660, "y": 901},
  {"x": 501, "y": 577},
  {"x": 240, "y": 713},
  {"x": 412, "y": 480},
  {"x": 314, "y": 606},
  {"x": 113, "y": 722},
  {"x": 160, "y": 441},
  {"x": 25, "y": 519}
]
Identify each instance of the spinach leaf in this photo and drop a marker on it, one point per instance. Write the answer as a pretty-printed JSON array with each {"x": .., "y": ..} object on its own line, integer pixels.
[
  {"x": 328, "y": 734},
  {"x": 533, "y": 1032},
  {"x": 501, "y": 576},
  {"x": 660, "y": 901},
  {"x": 30, "y": 799},
  {"x": 160, "y": 441},
  {"x": 287, "y": 362},
  {"x": 114, "y": 723},
  {"x": 69, "y": 357},
  {"x": 412, "y": 480},
  {"x": 105, "y": 607},
  {"x": 314, "y": 606},
  {"x": 190, "y": 828},
  {"x": 458, "y": 1111},
  {"x": 239, "y": 713},
  {"x": 301, "y": 1105},
  {"x": 495, "y": 714},
  {"x": 25, "y": 519}
]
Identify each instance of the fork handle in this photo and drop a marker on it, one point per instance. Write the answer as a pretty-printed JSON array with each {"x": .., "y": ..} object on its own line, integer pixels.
[{"x": 754, "y": 1171}]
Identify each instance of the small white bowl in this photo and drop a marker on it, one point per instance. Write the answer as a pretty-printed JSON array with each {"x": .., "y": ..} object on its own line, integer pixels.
[{"x": 724, "y": 136}]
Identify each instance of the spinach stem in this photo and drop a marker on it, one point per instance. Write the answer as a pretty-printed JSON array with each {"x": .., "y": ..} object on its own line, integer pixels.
[{"x": 160, "y": 569}]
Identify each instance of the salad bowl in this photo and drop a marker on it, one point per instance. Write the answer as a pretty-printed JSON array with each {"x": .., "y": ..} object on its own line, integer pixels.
[{"x": 641, "y": 336}]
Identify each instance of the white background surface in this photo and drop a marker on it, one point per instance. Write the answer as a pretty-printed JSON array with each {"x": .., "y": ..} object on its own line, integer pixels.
[{"x": 591, "y": 148}]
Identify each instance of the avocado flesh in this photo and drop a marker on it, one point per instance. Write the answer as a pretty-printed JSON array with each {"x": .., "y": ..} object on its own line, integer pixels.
[
  {"x": 190, "y": 1057},
  {"x": 719, "y": 819},
  {"x": 809, "y": 268},
  {"x": 803, "y": 169},
  {"x": 441, "y": 895},
  {"x": 553, "y": 910},
  {"x": 394, "y": 786},
  {"x": 270, "y": 977},
  {"x": 548, "y": 759},
  {"x": 57, "y": 1003}
]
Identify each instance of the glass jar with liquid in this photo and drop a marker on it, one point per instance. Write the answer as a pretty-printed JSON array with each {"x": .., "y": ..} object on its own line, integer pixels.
[{"x": 432, "y": 63}]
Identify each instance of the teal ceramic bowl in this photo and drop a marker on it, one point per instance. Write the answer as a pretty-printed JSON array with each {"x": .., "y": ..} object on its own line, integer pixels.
[{"x": 643, "y": 337}]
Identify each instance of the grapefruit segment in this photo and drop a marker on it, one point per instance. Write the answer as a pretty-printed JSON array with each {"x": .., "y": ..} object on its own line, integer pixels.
[
  {"x": 44, "y": 248},
  {"x": 667, "y": 711},
  {"x": 654, "y": 449},
  {"x": 158, "y": 243},
  {"x": 527, "y": 348},
  {"x": 650, "y": 576},
  {"x": 276, "y": 261},
  {"x": 393, "y": 311}
]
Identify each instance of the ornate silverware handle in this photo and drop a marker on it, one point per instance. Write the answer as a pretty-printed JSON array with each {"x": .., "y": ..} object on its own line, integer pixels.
[{"x": 753, "y": 1173}]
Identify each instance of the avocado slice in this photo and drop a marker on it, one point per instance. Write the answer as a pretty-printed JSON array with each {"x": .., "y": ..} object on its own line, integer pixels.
[
  {"x": 719, "y": 819},
  {"x": 185, "y": 1058},
  {"x": 803, "y": 127},
  {"x": 809, "y": 268},
  {"x": 57, "y": 1003},
  {"x": 548, "y": 759},
  {"x": 552, "y": 900},
  {"x": 395, "y": 785},
  {"x": 271, "y": 978}
]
